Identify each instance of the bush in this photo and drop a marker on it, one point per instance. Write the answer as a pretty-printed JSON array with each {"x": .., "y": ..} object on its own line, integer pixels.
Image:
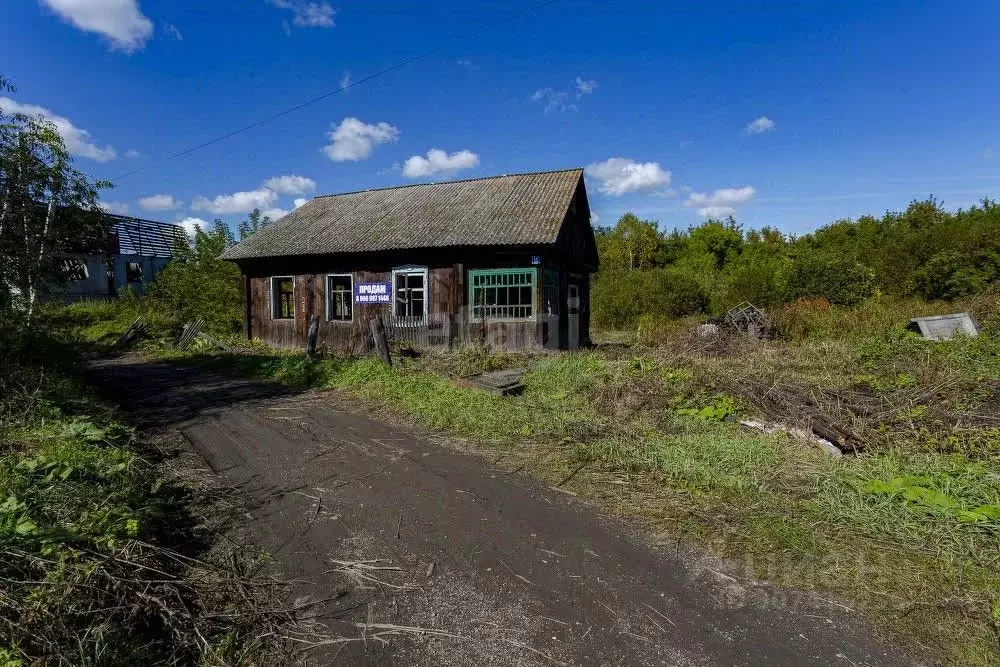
[
  {"x": 954, "y": 275},
  {"x": 839, "y": 280},
  {"x": 619, "y": 298}
]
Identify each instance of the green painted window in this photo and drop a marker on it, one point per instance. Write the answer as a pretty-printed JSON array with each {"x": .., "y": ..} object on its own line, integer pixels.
[{"x": 502, "y": 294}]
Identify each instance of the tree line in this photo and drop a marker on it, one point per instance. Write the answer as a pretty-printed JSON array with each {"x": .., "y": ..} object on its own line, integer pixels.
[{"x": 925, "y": 251}]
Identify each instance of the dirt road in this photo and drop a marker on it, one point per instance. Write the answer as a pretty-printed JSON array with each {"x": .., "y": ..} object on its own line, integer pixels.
[{"x": 513, "y": 573}]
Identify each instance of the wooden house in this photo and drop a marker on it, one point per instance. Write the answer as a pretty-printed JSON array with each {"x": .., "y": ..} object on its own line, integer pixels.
[{"x": 505, "y": 260}]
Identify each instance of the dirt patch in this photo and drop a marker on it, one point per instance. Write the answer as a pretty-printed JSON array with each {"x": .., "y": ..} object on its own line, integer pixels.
[{"x": 485, "y": 566}]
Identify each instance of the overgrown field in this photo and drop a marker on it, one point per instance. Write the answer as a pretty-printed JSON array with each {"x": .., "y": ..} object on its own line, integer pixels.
[
  {"x": 906, "y": 529},
  {"x": 104, "y": 561}
]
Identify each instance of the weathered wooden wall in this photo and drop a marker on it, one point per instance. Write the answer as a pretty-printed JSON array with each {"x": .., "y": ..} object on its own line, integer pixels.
[{"x": 446, "y": 322}]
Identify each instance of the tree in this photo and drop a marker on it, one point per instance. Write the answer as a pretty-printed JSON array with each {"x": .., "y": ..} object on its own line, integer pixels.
[
  {"x": 47, "y": 208},
  {"x": 196, "y": 284},
  {"x": 253, "y": 223},
  {"x": 632, "y": 243}
]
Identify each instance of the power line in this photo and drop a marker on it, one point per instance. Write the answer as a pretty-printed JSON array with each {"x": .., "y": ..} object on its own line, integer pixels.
[{"x": 483, "y": 29}]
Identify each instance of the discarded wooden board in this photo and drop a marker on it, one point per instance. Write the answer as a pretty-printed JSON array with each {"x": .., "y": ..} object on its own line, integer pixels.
[
  {"x": 944, "y": 327},
  {"x": 800, "y": 433},
  {"x": 216, "y": 342},
  {"x": 191, "y": 329},
  {"x": 747, "y": 319},
  {"x": 134, "y": 332},
  {"x": 502, "y": 383}
]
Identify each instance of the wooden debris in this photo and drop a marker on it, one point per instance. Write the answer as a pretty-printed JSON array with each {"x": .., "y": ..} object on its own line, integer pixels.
[
  {"x": 191, "y": 329},
  {"x": 216, "y": 342},
  {"x": 747, "y": 319},
  {"x": 133, "y": 333},
  {"x": 502, "y": 383}
]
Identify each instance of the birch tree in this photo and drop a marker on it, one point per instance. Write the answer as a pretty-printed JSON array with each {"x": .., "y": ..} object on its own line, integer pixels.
[{"x": 47, "y": 209}]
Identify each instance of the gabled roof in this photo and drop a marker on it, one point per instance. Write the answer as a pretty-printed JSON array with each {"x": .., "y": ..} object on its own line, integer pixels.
[{"x": 519, "y": 209}]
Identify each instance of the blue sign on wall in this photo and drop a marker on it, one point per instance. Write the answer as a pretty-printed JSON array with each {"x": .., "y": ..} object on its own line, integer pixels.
[{"x": 372, "y": 293}]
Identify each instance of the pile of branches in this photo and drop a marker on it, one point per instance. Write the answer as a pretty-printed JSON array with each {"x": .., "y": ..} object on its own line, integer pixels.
[
  {"x": 851, "y": 419},
  {"x": 142, "y": 604}
]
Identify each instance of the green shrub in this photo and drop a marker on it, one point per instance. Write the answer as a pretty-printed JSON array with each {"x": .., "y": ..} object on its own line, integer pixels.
[{"x": 839, "y": 280}]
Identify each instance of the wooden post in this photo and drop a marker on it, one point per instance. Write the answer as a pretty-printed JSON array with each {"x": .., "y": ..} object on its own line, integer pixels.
[
  {"x": 378, "y": 336},
  {"x": 311, "y": 336}
]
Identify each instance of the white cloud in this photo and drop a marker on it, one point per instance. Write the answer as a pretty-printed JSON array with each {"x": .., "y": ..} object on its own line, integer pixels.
[
  {"x": 120, "y": 21},
  {"x": 190, "y": 225},
  {"x": 345, "y": 78},
  {"x": 464, "y": 62},
  {"x": 617, "y": 176},
  {"x": 159, "y": 203},
  {"x": 760, "y": 125},
  {"x": 133, "y": 154},
  {"x": 988, "y": 153},
  {"x": 308, "y": 14},
  {"x": 238, "y": 202},
  {"x": 290, "y": 184},
  {"x": 585, "y": 86},
  {"x": 557, "y": 100},
  {"x": 594, "y": 218},
  {"x": 173, "y": 31},
  {"x": 77, "y": 141},
  {"x": 301, "y": 201},
  {"x": 354, "y": 140},
  {"x": 721, "y": 202},
  {"x": 554, "y": 100},
  {"x": 116, "y": 207},
  {"x": 439, "y": 161},
  {"x": 274, "y": 213},
  {"x": 716, "y": 211}
]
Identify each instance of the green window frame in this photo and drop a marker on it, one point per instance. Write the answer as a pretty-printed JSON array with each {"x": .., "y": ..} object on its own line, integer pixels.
[{"x": 503, "y": 294}]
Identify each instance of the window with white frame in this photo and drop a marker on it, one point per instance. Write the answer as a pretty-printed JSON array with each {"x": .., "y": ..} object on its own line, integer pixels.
[
  {"x": 283, "y": 298},
  {"x": 409, "y": 293},
  {"x": 339, "y": 297}
]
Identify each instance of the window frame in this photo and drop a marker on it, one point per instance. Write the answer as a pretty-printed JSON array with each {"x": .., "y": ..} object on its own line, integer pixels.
[
  {"x": 532, "y": 271},
  {"x": 76, "y": 269},
  {"x": 412, "y": 270},
  {"x": 350, "y": 296},
  {"x": 274, "y": 302},
  {"x": 128, "y": 270}
]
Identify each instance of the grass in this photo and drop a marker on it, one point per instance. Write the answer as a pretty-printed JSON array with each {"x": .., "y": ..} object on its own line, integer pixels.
[
  {"x": 104, "y": 560},
  {"x": 907, "y": 532}
]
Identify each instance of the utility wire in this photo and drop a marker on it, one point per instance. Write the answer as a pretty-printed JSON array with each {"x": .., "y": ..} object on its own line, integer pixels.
[{"x": 423, "y": 56}]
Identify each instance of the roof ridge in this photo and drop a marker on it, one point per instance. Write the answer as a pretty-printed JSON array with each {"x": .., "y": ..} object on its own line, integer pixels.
[{"x": 460, "y": 180}]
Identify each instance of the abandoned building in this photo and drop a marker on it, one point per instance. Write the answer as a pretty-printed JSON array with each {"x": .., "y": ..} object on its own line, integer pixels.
[
  {"x": 504, "y": 260},
  {"x": 137, "y": 250}
]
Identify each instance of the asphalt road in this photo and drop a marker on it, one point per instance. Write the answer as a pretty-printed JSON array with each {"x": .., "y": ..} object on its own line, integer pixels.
[{"x": 498, "y": 569}]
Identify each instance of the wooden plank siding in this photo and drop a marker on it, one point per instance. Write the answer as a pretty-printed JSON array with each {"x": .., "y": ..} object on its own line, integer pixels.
[{"x": 446, "y": 321}]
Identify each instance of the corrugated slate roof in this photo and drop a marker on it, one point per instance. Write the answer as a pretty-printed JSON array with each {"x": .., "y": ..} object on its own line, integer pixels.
[{"x": 519, "y": 209}]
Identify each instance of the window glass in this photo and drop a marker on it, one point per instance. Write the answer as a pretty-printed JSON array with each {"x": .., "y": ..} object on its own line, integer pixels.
[
  {"x": 133, "y": 272},
  {"x": 410, "y": 294},
  {"x": 283, "y": 298},
  {"x": 502, "y": 293},
  {"x": 340, "y": 298}
]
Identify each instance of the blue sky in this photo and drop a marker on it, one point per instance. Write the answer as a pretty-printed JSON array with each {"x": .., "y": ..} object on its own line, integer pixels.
[{"x": 789, "y": 114}]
